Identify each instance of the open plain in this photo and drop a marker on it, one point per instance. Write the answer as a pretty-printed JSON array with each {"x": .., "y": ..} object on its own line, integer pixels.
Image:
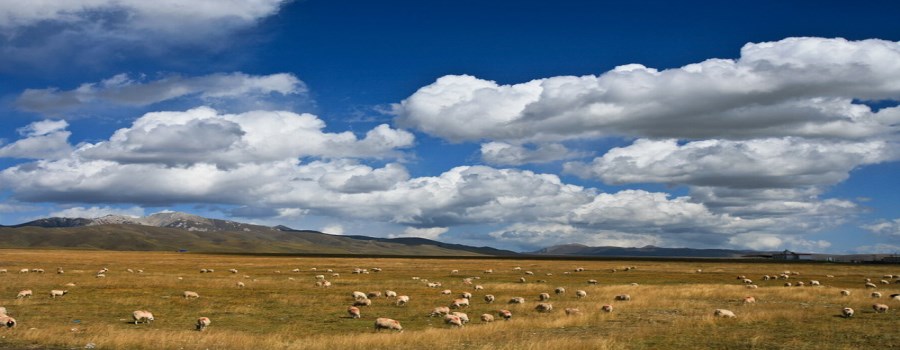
[{"x": 281, "y": 307}]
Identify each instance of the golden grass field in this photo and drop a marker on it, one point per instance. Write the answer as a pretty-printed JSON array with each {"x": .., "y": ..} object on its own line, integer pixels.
[{"x": 671, "y": 307}]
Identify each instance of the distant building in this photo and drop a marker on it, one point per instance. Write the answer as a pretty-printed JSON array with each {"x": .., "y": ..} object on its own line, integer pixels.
[{"x": 789, "y": 255}]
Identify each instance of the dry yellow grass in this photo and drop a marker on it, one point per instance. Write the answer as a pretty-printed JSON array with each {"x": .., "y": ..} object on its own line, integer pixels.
[{"x": 671, "y": 307}]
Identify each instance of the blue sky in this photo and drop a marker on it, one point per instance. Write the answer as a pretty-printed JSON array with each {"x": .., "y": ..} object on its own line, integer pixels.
[{"x": 517, "y": 125}]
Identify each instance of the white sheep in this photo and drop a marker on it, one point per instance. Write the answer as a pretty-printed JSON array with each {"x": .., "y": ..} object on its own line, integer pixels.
[
  {"x": 446, "y": 292},
  {"x": 876, "y": 295},
  {"x": 506, "y": 314},
  {"x": 402, "y": 300},
  {"x": 240, "y": 284},
  {"x": 847, "y": 312},
  {"x": 814, "y": 283},
  {"x": 623, "y": 297},
  {"x": 606, "y": 308},
  {"x": 871, "y": 285},
  {"x": 142, "y": 316},
  {"x": 373, "y": 295},
  {"x": 453, "y": 320},
  {"x": 521, "y": 279},
  {"x": 749, "y": 300},
  {"x": 489, "y": 298},
  {"x": 7, "y": 321},
  {"x": 453, "y": 272},
  {"x": 440, "y": 310},
  {"x": 487, "y": 318},
  {"x": 466, "y": 295},
  {"x": 592, "y": 282},
  {"x": 390, "y": 294},
  {"x": 479, "y": 287},
  {"x": 354, "y": 312},
  {"x": 544, "y": 296},
  {"x": 559, "y": 290},
  {"x": 359, "y": 295},
  {"x": 3, "y": 271},
  {"x": 885, "y": 282},
  {"x": 233, "y": 270},
  {"x": 462, "y": 316},
  {"x": 845, "y": 292},
  {"x": 58, "y": 293},
  {"x": 516, "y": 300},
  {"x": 190, "y": 295},
  {"x": 459, "y": 303},
  {"x": 748, "y": 281},
  {"x": 895, "y": 297},
  {"x": 202, "y": 323},
  {"x": 24, "y": 270},
  {"x": 24, "y": 293},
  {"x": 724, "y": 313},
  {"x": 387, "y": 323},
  {"x": 362, "y": 302},
  {"x": 880, "y": 308},
  {"x": 544, "y": 307},
  {"x": 580, "y": 294}
]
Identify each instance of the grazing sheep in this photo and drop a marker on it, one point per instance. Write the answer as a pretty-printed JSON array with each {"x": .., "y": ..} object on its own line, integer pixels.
[
  {"x": 487, "y": 318},
  {"x": 362, "y": 302},
  {"x": 373, "y": 295},
  {"x": 3, "y": 271},
  {"x": 479, "y": 287},
  {"x": 387, "y": 323},
  {"x": 580, "y": 294},
  {"x": 320, "y": 277},
  {"x": 7, "y": 321},
  {"x": 880, "y": 308},
  {"x": 359, "y": 295},
  {"x": 402, "y": 300},
  {"x": 749, "y": 300},
  {"x": 466, "y": 295},
  {"x": 24, "y": 293},
  {"x": 390, "y": 294},
  {"x": 871, "y": 285},
  {"x": 623, "y": 297},
  {"x": 800, "y": 284},
  {"x": 506, "y": 314},
  {"x": 353, "y": 311},
  {"x": 458, "y": 303},
  {"x": 233, "y": 270},
  {"x": 58, "y": 293},
  {"x": 446, "y": 292},
  {"x": 24, "y": 270},
  {"x": 748, "y": 281},
  {"x": 814, "y": 283},
  {"x": 142, "y": 316},
  {"x": 59, "y": 270},
  {"x": 521, "y": 279},
  {"x": 202, "y": 323},
  {"x": 489, "y": 298},
  {"x": 517, "y": 300},
  {"x": 579, "y": 269},
  {"x": 847, "y": 312},
  {"x": 885, "y": 282},
  {"x": 433, "y": 285},
  {"x": 453, "y": 321},
  {"x": 752, "y": 286},
  {"x": 190, "y": 295},
  {"x": 543, "y": 307},
  {"x": 559, "y": 290},
  {"x": 440, "y": 310},
  {"x": 240, "y": 284},
  {"x": 462, "y": 316},
  {"x": 787, "y": 284},
  {"x": 100, "y": 275},
  {"x": 741, "y": 277},
  {"x": 544, "y": 296},
  {"x": 529, "y": 273},
  {"x": 767, "y": 277},
  {"x": 606, "y": 308},
  {"x": 572, "y": 311},
  {"x": 724, "y": 313},
  {"x": 592, "y": 282},
  {"x": 876, "y": 295},
  {"x": 453, "y": 272},
  {"x": 489, "y": 271},
  {"x": 895, "y": 297},
  {"x": 845, "y": 293}
]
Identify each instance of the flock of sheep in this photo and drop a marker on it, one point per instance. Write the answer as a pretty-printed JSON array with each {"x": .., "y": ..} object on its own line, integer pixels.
[{"x": 452, "y": 314}]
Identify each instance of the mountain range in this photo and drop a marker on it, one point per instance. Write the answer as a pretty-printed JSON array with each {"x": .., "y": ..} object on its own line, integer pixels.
[{"x": 178, "y": 231}]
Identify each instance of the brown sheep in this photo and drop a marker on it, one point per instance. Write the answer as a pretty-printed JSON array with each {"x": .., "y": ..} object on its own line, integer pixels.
[{"x": 353, "y": 311}]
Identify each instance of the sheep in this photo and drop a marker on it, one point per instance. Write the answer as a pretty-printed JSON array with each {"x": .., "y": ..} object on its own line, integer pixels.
[
  {"x": 142, "y": 316},
  {"x": 544, "y": 296},
  {"x": 487, "y": 318},
  {"x": 24, "y": 271},
  {"x": 748, "y": 281},
  {"x": 787, "y": 284},
  {"x": 606, "y": 308},
  {"x": 402, "y": 300},
  {"x": 592, "y": 282},
  {"x": 459, "y": 303},
  {"x": 323, "y": 284},
  {"x": 3, "y": 271},
  {"x": 233, "y": 270},
  {"x": 559, "y": 290},
  {"x": 521, "y": 279},
  {"x": 767, "y": 277},
  {"x": 453, "y": 321},
  {"x": 59, "y": 271},
  {"x": 58, "y": 293},
  {"x": 579, "y": 269},
  {"x": 390, "y": 294},
  {"x": 529, "y": 273},
  {"x": 353, "y": 311},
  {"x": 320, "y": 277},
  {"x": 845, "y": 293},
  {"x": 572, "y": 311},
  {"x": 814, "y": 283},
  {"x": 580, "y": 294},
  {"x": 489, "y": 298},
  {"x": 895, "y": 297},
  {"x": 202, "y": 323},
  {"x": 387, "y": 323},
  {"x": 623, "y": 297},
  {"x": 240, "y": 284},
  {"x": 479, "y": 287},
  {"x": 876, "y": 295},
  {"x": 453, "y": 272},
  {"x": 7, "y": 321},
  {"x": 359, "y": 295},
  {"x": 440, "y": 310},
  {"x": 489, "y": 271},
  {"x": 373, "y": 295},
  {"x": 885, "y": 282},
  {"x": 462, "y": 316},
  {"x": 190, "y": 295},
  {"x": 506, "y": 314},
  {"x": 466, "y": 295},
  {"x": 847, "y": 312},
  {"x": 100, "y": 275},
  {"x": 433, "y": 285},
  {"x": 362, "y": 302},
  {"x": 446, "y": 292},
  {"x": 800, "y": 284},
  {"x": 880, "y": 308},
  {"x": 724, "y": 313},
  {"x": 516, "y": 300},
  {"x": 751, "y": 286},
  {"x": 376, "y": 269},
  {"x": 543, "y": 307},
  {"x": 871, "y": 285},
  {"x": 749, "y": 300},
  {"x": 741, "y": 277},
  {"x": 699, "y": 271},
  {"x": 24, "y": 293}
]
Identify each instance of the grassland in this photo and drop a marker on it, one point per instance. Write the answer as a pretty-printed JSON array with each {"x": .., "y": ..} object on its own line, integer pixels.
[{"x": 671, "y": 308}]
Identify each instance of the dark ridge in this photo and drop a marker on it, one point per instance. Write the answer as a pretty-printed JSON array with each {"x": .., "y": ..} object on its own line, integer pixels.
[{"x": 56, "y": 222}]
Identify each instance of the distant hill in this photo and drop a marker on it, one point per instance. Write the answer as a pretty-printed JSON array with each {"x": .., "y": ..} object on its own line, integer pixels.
[
  {"x": 647, "y": 251},
  {"x": 180, "y": 231}
]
